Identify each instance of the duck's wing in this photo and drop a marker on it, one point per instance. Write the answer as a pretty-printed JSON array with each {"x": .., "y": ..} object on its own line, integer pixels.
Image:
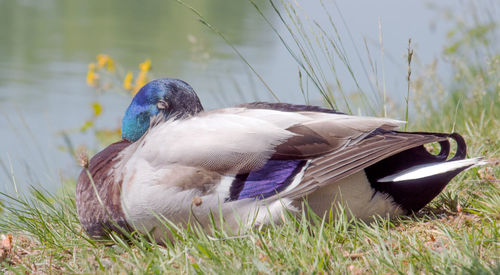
[
  {"x": 381, "y": 145},
  {"x": 241, "y": 140},
  {"x": 387, "y": 158}
]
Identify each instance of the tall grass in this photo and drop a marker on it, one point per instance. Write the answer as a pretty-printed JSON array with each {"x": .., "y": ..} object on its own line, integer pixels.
[
  {"x": 459, "y": 232},
  {"x": 319, "y": 51},
  {"x": 48, "y": 238}
]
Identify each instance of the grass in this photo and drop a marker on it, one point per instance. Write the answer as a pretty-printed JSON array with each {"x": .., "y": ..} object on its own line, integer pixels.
[{"x": 458, "y": 232}]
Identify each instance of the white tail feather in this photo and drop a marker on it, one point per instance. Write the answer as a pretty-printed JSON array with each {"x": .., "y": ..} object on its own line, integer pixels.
[{"x": 432, "y": 169}]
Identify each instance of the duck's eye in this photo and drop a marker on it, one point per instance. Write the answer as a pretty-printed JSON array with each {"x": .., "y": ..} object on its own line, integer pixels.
[{"x": 162, "y": 105}]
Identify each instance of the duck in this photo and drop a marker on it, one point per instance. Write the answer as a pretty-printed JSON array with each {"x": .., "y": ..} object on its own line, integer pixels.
[{"x": 250, "y": 164}]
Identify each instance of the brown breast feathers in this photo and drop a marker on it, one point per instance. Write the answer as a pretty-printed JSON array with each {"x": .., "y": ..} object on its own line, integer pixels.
[{"x": 99, "y": 214}]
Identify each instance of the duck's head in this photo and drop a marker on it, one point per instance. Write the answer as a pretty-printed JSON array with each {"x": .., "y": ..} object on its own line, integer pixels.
[{"x": 166, "y": 96}]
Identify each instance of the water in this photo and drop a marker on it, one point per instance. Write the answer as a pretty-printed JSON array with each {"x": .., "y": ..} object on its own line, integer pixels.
[{"x": 46, "y": 46}]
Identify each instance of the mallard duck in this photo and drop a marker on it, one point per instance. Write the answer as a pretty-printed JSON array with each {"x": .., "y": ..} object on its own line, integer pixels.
[{"x": 252, "y": 162}]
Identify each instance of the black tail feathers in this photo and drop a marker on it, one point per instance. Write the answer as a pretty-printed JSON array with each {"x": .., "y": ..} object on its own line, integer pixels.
[{"x": 414, "y": 194}]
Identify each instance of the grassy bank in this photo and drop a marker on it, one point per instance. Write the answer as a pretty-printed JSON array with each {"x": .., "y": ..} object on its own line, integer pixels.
[{"x": 458, "y": 232}]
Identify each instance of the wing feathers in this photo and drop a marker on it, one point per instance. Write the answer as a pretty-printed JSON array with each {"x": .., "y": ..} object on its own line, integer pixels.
[
  {"x": 328, "y": 133},
  {"x": 338, "y": 165}
]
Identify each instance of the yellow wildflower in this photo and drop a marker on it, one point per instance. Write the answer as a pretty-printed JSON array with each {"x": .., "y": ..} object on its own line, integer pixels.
[
  {"x": 96, "y": 106},
  {"x": 86, "y": 125},
  {"x": 111, "y": 65},
  {"x": 141, "y": 80},
  {"x": 102, "y": 60},
  {"x": 145, "y": 66},
  {"x": 107, "y": 136},
  {"x": 92, "y": 76},
  {"x": 127, "y": 82}
]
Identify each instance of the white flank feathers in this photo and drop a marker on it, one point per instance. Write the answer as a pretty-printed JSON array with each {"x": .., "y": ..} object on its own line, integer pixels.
[
  {"x": 432, "y": 169},
  {"x": 356, "y": 194}
]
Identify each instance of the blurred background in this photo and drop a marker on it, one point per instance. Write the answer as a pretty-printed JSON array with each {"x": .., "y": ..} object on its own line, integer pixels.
[{"x": 46, "y": 47}]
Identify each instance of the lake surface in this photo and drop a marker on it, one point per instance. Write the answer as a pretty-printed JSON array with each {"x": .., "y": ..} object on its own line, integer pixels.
[{"x": 46, "y": 46}]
